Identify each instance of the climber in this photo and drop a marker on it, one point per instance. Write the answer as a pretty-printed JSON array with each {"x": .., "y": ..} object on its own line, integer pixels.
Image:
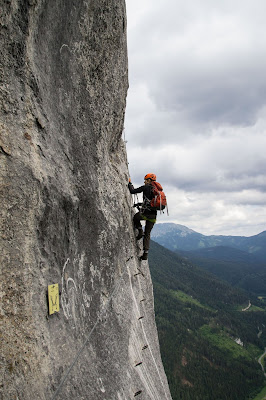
[{"x": 146, "y": 213}]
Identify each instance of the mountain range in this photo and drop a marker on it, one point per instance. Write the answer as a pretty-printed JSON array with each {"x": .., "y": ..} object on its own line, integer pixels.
[
  {"x": 241, "y": 261},
  {"x": 179, "y": 237}
]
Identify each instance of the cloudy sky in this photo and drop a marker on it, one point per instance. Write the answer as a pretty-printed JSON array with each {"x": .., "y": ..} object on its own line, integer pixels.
[{"x": 196, "y": 109}]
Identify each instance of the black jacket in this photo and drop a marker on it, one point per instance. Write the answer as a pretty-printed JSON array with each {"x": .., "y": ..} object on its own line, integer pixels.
[{"x": 147, "y": 197}]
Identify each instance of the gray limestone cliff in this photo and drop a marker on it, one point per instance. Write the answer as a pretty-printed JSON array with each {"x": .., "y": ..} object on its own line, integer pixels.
[{"x": 66, "y": 211}]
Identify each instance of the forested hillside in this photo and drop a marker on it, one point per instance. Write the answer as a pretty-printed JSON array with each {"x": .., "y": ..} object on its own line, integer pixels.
[
  {"x": 200, "y": 320},
  {"x": 239, "y": 268}
]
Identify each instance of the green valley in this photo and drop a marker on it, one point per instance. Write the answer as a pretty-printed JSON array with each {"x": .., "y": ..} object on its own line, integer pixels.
[{"x": 209, "y": 346}]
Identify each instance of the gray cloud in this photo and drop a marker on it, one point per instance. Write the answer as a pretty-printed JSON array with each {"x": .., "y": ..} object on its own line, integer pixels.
[{"x": 196, "y": 109}]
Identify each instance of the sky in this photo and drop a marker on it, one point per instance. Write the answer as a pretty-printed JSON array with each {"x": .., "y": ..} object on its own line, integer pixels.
[{"x": 196, "y": 110}]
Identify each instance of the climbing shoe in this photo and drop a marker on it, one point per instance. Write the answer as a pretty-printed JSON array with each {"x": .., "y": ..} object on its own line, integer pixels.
[
  {"x": 144, "y": 256},
  {"x": 140, "y": 234}
]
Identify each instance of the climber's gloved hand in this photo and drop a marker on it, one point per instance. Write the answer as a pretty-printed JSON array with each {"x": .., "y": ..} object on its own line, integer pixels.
[{"x": 129, "y": 183}]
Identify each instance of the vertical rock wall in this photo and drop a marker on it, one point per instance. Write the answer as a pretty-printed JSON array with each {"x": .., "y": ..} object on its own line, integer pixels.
[{"x": 65, "y": 210}]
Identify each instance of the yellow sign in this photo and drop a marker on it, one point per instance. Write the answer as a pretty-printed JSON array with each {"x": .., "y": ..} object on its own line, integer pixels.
[{"x": 53, "y": 298}]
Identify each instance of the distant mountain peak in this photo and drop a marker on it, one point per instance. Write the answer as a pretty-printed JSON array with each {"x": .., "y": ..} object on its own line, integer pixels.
[
  {"x": 177, "y": 237},
  {"x": 170, "y": 227}
]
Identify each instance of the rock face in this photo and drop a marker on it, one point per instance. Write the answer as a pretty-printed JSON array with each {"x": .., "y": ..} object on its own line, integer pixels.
[{"x": 66, "y": 211}]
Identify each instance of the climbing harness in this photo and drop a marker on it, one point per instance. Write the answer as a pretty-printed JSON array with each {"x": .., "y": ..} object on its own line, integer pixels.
[{"x": 153, "y": 220}]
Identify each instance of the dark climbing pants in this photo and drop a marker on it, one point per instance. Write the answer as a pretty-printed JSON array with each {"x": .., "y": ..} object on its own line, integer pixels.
[{"x": 149, "y": 223}]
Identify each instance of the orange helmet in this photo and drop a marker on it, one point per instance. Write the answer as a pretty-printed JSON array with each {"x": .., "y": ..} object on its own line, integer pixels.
[{"x": 150, "y": 176}]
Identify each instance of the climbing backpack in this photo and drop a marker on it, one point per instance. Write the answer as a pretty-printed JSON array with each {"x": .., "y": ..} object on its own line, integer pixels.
[{"x": 159, "y": 201}]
